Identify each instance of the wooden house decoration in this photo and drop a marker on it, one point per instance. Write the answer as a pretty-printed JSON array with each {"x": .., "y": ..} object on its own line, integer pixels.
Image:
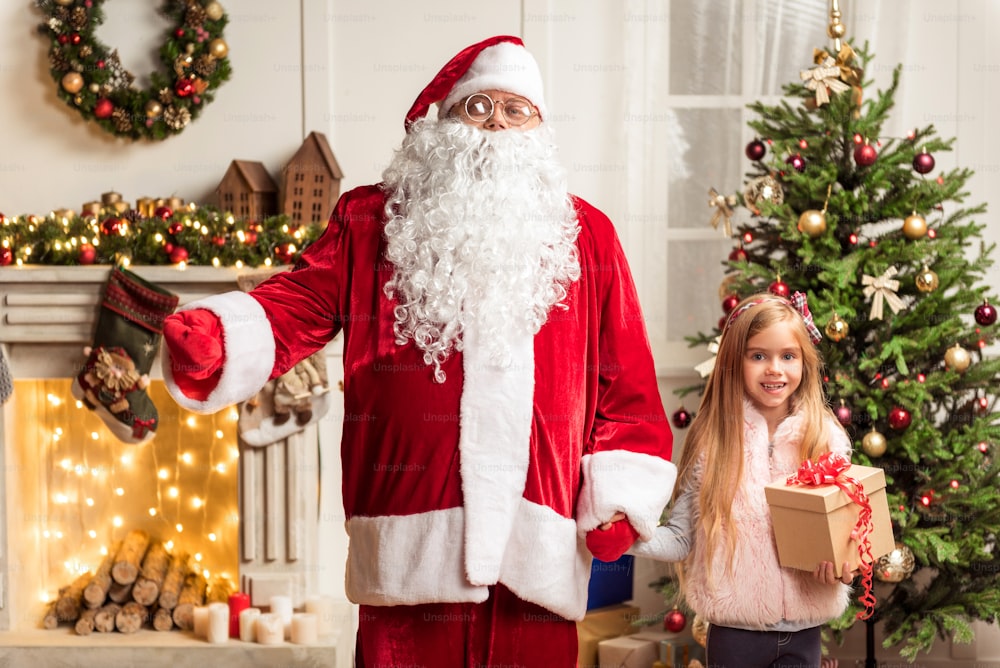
[
  {"x": 248, "y": 191},
  {"x": 311, "y": 181}
]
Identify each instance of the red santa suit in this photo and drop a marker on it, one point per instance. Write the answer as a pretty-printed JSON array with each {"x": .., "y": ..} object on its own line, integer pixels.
[{"x": 491, "y": 478}]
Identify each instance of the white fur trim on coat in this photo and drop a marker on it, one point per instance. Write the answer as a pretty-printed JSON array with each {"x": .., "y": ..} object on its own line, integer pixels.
[
  {"x": 494, "y": 446},
  {"x": 633, "y": 483},
  {"x": 249, "y": 347},
  {"x": 416, "y": 559}
]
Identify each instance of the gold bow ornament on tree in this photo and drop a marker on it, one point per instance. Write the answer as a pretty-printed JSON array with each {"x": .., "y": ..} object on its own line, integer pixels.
[
  {"x": 723, "y": 210},
  {"x": 833, "y": 74},
  {"x": 882, "y": 288},
  {"x": 705, "y": 368}
]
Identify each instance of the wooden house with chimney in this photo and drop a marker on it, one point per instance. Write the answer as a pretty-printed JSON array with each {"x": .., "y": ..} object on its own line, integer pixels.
[
  {"x": 310, "y": 181},
  {"x": 248, "y": 191}
]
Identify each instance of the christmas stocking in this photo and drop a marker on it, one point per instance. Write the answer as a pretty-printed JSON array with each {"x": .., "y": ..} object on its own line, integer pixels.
[
  {"x": 286, "y": 404},
  {"x": 114, "y": 378}
]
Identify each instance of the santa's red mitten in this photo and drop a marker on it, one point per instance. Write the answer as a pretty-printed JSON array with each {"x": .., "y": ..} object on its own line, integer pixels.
[
  {"x": 611, "y": 544},
  {"x": 197, "y": 352}
]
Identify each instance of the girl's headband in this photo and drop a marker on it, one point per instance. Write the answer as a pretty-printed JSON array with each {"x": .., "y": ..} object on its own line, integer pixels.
[{"x": 797, "y": 302}]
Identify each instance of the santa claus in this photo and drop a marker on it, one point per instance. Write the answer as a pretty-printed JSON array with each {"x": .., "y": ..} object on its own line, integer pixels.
[{"x": 502, "y": 417}]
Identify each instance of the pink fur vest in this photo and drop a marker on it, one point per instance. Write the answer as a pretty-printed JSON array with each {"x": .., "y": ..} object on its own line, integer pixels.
[{"x": 756, "y": 592}]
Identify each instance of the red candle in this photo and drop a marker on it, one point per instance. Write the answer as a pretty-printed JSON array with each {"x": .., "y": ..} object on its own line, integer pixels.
[{"x": 238, "y": 602}]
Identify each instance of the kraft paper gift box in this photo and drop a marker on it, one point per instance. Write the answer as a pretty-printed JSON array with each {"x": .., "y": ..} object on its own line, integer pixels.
[
  {"x": 814, "y": 524},
  {"x": 601, "y": 624},
  {"x": 627, "y": 652}
]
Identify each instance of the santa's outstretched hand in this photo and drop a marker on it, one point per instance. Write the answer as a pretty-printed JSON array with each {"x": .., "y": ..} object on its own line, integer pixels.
[{"x": 197, "y": 352}]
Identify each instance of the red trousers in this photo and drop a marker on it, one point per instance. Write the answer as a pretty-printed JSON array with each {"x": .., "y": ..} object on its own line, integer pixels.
[{"x": 502, "y": 632}]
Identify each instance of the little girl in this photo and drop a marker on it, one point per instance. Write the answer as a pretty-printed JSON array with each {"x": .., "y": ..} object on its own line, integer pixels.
[{"x": 762, "y": 414}]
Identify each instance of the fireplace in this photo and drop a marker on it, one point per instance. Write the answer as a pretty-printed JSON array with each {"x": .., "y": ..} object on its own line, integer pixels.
[{"x": 268, "y": 519}]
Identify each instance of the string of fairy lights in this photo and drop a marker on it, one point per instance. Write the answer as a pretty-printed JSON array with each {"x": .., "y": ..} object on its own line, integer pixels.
[{"x": 180, "y": 487}]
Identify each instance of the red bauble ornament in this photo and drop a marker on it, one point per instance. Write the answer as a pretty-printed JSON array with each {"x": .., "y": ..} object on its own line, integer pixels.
[
  {"x": 179, "y": 32},
  {"x": 738, "y": 255},
  {"x": 175, "y": 228},
  {"x": 163, "y": 212},
  {"x": 6, "y": 256},
  {"x": 729, "y": 303},
  {"x": 923, "y": 163},
  {"x": 756, "y": 150},
  {"x": 674, "y": 621},
  {"x": 111, "y": 226},
  {"x": 986, "y": 314},
  {"x": 178, "y": 254},
  {"x": 75, "y": 38},
  {"x": 845, "y": 415},
  {"x": 184, "y": 87},
  {"x": 63, "y": 39},
  {"x": 87, "y": 254},
  {"x": 899, "y": 418},
  {"x": 284, "y": 252},
  {"x": 681, "y": 418},
  {"x": 219, "y": 241},
  {"x": 250, "y": 237},
  {"x": 780, "y": 289},
  {"x": 797, "y": 162},
  {"x": 865, "y": 155},
  {"x": 104, "y": 108}
]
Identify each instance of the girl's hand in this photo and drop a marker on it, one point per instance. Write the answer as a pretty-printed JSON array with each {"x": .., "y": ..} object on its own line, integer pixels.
[
  {"x": 609, "y": 541},
  {"x": 825, "y": 574}
]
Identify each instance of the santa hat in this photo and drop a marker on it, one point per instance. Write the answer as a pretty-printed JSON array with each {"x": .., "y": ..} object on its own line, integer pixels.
[{"x": 499, "y": 63}]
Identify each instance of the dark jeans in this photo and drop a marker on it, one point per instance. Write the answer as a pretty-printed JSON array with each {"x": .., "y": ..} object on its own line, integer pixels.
[{"x": 738, "y": 648}]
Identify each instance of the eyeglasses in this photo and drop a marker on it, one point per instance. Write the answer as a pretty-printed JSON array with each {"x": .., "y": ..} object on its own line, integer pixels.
[{"x": 516, "y": 110}]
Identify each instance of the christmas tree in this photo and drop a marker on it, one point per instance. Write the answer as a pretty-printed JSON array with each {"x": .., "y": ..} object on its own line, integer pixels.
[{"x": 890, "y": 256}]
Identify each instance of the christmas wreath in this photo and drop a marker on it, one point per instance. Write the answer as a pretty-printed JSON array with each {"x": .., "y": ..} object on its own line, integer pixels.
[{"x": 91, "y": 78}]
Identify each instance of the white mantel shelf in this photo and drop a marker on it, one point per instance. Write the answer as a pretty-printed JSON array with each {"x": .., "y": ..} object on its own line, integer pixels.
[{"x": 62, "y": 648}]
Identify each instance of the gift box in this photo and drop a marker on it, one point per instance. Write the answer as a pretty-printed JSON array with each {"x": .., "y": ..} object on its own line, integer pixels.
[
  {"x": 679, "y": 652},
  {"x": 602, "y": 624},
  {"x": 610, "y": 582},
  {"x": 814, "y": 523},
  {"x": 627, "y": 652}
]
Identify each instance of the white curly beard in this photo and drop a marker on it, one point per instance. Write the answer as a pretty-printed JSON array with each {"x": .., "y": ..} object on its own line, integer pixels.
[{"x": 481, "y": 229}]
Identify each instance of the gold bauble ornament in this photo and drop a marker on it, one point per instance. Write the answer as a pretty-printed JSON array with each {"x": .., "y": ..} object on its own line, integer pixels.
[
  {"x": 926, "y": 280},
  {"x": 699, "y": 630},
  {"x": 72, "y": 82},
  {"x": 914, "y": 227},
  {"x": 762, "y": 189},
  {"x": 837, "y": 328},
  {"x": 874, "y": 444},
  {"x": 214, "y": 11},
  {"x": 957, "y": 358},
  {"x": 726, "y": 287},
  {"x": 812, "y": 223},
  {"x": 895, "y": 566},
  {"x": 218, "y": 48},
  {"x": 154, "y": 109}
]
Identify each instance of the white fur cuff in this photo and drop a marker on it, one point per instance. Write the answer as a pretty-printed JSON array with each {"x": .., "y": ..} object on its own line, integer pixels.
[{"x": 633, "y": 483}]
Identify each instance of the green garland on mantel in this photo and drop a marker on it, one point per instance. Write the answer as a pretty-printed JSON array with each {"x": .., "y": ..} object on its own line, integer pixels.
[
  {"x": 190, "y": 235},
  {"x": 91, "y": 79}
]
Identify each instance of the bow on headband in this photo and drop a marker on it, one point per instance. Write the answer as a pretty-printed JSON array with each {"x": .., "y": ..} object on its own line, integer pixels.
[{"x": 797, "y": 302}]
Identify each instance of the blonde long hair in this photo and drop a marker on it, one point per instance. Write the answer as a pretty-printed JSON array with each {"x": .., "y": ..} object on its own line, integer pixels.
[{"x": 714, "y": 443}]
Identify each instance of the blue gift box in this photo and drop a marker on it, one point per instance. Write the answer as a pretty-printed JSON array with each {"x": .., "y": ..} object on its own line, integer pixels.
[{"x": 610, "y": 582}]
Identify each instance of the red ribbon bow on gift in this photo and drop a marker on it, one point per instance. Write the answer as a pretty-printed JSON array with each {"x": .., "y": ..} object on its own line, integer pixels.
[{"x": 829, "y": 469}]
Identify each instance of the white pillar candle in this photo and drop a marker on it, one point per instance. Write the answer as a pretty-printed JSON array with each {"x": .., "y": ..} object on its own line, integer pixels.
[
  {"x": 322, "y": 607},
  {"x": 248, "y": 623},
  {"x": 282, "y": 606},
  {"x": 218, "y": 623},
  {"x": 200, "y": 617},
  {"x": 270, "y": 629},
  {"x": 304, "y": 628}
]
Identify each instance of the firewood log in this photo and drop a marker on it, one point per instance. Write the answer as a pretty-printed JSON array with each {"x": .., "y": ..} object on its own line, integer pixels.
[
  {"x": 85, "y": 625},
  {"x": 131, "y": 617},
  {"x": 96, "y": 591},
  {"x": 154, "y": 568},
  {"x": 125, "y": 568},
  {"x": 104, "y": 620},
  {"x": 173, "y": 581},
  {"x": 120, "y": 593},
  {"x": 192, "y": 596},
  {"x": 163, "y": 619},
  {"x": 69, "y": 601},
  {"x": 50, "y": 620}
]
